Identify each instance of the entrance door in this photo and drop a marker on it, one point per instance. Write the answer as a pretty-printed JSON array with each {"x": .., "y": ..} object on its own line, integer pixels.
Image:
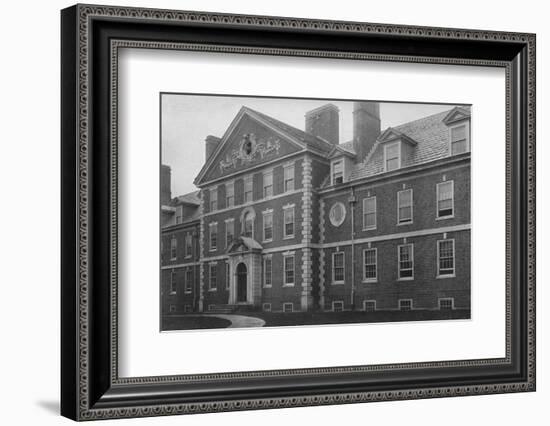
[{"x": 241, "y": 282}]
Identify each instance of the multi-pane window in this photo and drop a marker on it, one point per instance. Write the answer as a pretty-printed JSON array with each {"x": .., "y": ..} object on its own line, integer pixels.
[
  {"x": 392, "y": 156},
  {"x": 446, "y": 303},
  {"x": 289, "y": 269},
  {"x": 337, "y": 172},
  {"x": 288, "y": 307},
  {"x": 405, "y": 206},
  {"x": 445, "y": 199},
  {"x": 229, "y": 232},
  {"x": 173, "y": 248},
  {"x": 173, "y": 283},
  {"x": 179, "y": 214},
  {"x": 230, "y": 195},
  {"x": 369, "y": 264},
  {"x": 289, "y": 178},
  {"x": 248, "y": 189},
  {"x": 266, "y": 307},
  {"x": 268, "y": 226},
  {"x": 213, "y": 276},
  {"x": 446, "y": 258},
  {"x": 406, "y": 261},
  {"x": 213, "y": 199},
  {"x": 405, "y": 304},
  {"x": 227, "y": 276},
  {"x": 337, "y": 306},
  {"x": 288, "y": 222},
  {"x": 188, "y": 280},
  {"x": 459, "y": 139},
  {"x": 338, "y": 267},
  {"x": 369, "y": 305},
  {"x": 369, "y": 213},
  {"x": 188, "y": 245},
  {"x": 248, "y": 225},
  {"x": 268, "y": 184},
  {"x": 213, "y": 227},
  {"x": 268, "y": 270}
]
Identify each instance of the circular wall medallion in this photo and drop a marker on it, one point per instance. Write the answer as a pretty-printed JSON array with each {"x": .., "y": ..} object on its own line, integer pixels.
[{"x": 337, "y": 214}]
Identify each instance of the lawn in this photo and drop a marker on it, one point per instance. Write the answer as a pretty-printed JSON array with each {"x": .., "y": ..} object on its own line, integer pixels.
[{"x": 193, "y": 322}]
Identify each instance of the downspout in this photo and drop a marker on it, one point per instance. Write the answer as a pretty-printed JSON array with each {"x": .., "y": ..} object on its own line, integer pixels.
[{"x": 351, "y": 201}]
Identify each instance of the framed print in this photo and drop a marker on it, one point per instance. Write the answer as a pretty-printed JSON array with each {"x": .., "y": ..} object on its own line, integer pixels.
[{"x": 263, "y": 212}]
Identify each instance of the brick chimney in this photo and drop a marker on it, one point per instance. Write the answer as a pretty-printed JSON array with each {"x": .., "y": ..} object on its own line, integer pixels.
[
  {"x": 366, "y": 127},
  {"x": 210, "y": 145},
  {"x": 165, "y": 185},
  {"x": 324, "y": 122}
]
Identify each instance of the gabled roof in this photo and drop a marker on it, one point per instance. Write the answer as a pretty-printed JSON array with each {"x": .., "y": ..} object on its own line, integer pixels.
[
  {"x": 300, "y": 138},
  {"x": 391, "y": 134},
  {"x": 431, "y": 135},
  {"x": 457, "y": 114},
  {"x": 245, "y": 243},
  {"x": 345, "y": 148}
]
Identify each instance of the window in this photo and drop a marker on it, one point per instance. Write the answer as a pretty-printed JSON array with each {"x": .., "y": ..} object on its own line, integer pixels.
[
  {"x": 187, "y": 309},
  {"x": 369, "y": 305},
  {"x": 268, "y": 270},
  {"x": 248, "y": 225},
  {"x": 406, "y": 261},
  {"x": 289, "y": 178},
  {"x": 213, "y": 283},
  {"x": 188, "y": 245},
  {"x": 173, "y": 248},
  {"x": 268, "y": 226},
  {"x": 338, "y": 267},
  {"x": 188, "y": 280},
  {"x": 405, "y": 304},
  {"x": 179, "y": 214},
  {"x": 248, "y": 189},
  {"x": 445, "y": 199},
  {"x": 446, "y": 304},
  {"x": 227, "y": 276},
  {"x": 230, "y": 195},
  {"x": 289, "y": 222},
  {"x": 337, "y": 306},
  {"x": 229, "y": 232},
  {"x": 213, "y": 199},
  {"x": 369, "y": 213},
  {"x": 213, "y": 236},
  {"x": 172, "y": 308},
  {"x": 369, "y": 264},
  {"x": 288, "y": 307},
  {"x": 289, "y": 269},
  {"x": 405, "y": 206},
  {"x": 173, "y": 283},
  {"x": 459, "y": 139},
  {"x": 337, "y": 172},
  {"x": 337, "y": 214},
  {"x": 266, "y": 307},
  {"x": 268, "y": 184},
  {"x": 392, "y": 156},
  {"x": 446, "y": 258}
]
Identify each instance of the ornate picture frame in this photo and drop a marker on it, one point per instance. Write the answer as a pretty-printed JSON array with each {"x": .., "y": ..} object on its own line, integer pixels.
[{"x": 91, "y": 38}]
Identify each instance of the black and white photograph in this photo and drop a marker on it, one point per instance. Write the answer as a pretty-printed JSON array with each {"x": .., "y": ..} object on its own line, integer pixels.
[{"x": 291, "y": 211}]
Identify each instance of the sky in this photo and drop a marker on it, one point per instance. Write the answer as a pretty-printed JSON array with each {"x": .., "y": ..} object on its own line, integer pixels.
[{"x": 186, "y": 120}]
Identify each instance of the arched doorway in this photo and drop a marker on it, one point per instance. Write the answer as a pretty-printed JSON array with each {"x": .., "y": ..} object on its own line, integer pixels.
[{"x": 241, "y": 283}]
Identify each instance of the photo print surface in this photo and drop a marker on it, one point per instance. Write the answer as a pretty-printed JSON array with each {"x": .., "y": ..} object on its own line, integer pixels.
[{"x": 289, "y": 212}]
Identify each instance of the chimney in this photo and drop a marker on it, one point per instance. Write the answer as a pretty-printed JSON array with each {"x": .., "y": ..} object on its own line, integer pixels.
[
  {"x": 324, "y": 122},
  {"x": 366, "y": 127},
  {"x": 165, "y": 185},
  {"x": 210, "y": 145}
]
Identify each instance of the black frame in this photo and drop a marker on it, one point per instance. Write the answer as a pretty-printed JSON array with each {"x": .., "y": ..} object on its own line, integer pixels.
[{"x": 90, "y": 387}]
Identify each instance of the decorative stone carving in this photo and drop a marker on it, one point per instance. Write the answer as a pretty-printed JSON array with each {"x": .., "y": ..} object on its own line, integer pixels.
[{"x": 250, "y": 149}]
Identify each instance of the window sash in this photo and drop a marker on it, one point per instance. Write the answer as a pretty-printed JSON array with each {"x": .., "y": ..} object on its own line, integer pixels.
[
  {"x": 213, "y": 199},
  {"x": 406, "y": 261},
  {"x": 213, "y": 236},
  {"x": 248, "y": 189},
  {"x": 445, "y": 199},
  {"x": 229, "y": 195},
  {"x": 337, "y": 172},
  {"x": 268, "y": 185},
  {"x": 249, "y": 227},
  {"x": 268, "y": 269},
  {"x": 369, "y": 213},
  {"x": 173, "y": 247},
  {"x": 289, "y": 269},
  {"x": 229, "y": 232},
  {"x": 405, "y": 305},
  {"x": 392, "y": 156},
  {"x": 268, "y": 226},
  {"x": 188, "y": 245},
  {"x": 213, "y": 281},
  {"x": 173, "y": 283},
  {"x": 227, "y": 276},
  {"x": 404, "y": 206},
  {"x": 459, "y": 139},
  {"x": 188, "y": 281},
  {"x": 446, "y": 257},
  {"x": 289, "y": 222},
  {"x": 288, "y": 178},
  {"x": 370, "y": 264},
  {"x": 338, "y": 267}
]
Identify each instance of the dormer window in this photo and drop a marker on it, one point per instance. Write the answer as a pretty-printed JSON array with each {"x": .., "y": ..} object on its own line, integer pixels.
[
  {"x": 337, "y": 175},
  {"x": 460, "y": 138},
  {"x": 392, "y": 156}
]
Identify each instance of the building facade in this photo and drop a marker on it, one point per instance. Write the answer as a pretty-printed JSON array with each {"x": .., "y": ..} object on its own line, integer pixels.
[{"x": 292, "y": 220}]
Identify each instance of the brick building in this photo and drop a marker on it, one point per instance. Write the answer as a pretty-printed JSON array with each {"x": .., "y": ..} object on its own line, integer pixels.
[{"x": 292, "y": 220}]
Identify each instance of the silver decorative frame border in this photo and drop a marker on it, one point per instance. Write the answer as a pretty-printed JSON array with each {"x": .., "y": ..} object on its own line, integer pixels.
[{"x": 88, "y": 12}]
